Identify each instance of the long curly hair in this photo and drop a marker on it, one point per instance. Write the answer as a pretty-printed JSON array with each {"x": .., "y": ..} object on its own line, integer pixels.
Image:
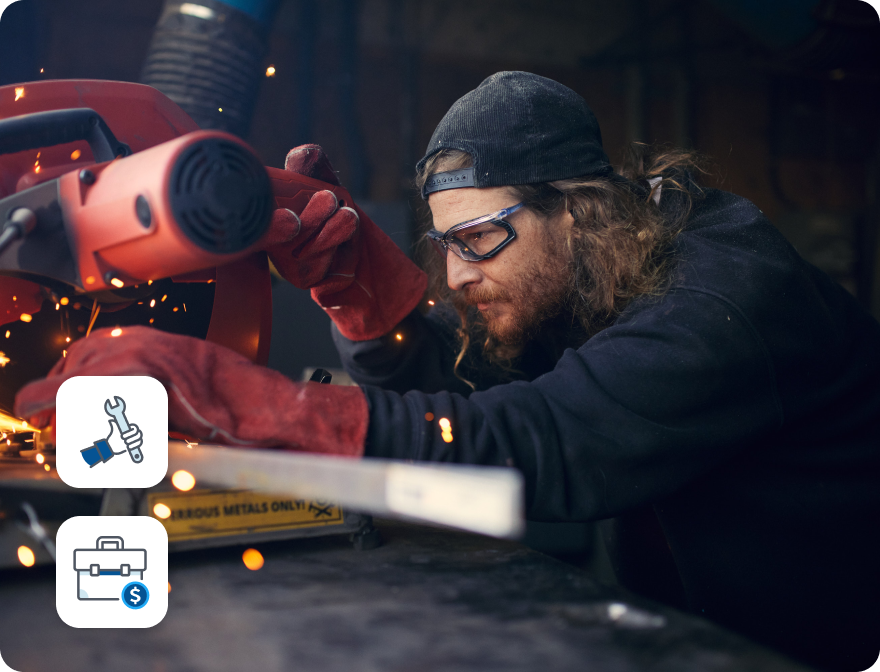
[{"x": 617, "y": 249}]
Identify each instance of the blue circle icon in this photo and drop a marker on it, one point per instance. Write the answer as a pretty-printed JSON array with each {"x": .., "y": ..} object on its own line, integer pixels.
[{"x": 135, "y": 595}]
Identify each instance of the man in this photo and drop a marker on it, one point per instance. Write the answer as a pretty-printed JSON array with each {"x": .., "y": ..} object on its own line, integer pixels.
[{"x": 626, "y": 341}]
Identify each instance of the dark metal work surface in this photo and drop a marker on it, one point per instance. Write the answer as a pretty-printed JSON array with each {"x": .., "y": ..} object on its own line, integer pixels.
[{"x": 428, "y": 599}]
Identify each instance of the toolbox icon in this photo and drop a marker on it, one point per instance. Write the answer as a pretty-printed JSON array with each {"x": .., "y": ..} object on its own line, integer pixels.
[{"x": 104, "y": 571}]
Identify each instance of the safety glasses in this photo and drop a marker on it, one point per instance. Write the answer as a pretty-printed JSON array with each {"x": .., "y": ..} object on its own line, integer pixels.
[{"x": 477, "y": 239}]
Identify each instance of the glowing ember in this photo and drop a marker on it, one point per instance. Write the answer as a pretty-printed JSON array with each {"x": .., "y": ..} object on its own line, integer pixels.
[
  {"x": 25, "y": 317},
  {"x": 220, "y": 109},
  {"x": 57, "y": 306},
  {"x": 26, "y": 556},
  {"x": 46, "y": 467},
  {"x": 64, "y": 353},
  {"x": 429, "y": 416},
  {"x": 116, "y": 282},
  {"x": 149, "y": 282},
  {"x": 183, "y": 480},
  {"x": 116, "y": 332},
  {"x": 444, "y": 423},
  {"x": 430, "y": 303},
  {"x": 446, "y": 436},
  {"x": 37, "y": 168},
  {"x": 75, "y": 154},
  {"x": 399, "y": 337},
  {"x": 152, "y": 320},
  {"x": 164, "y": 296},
  {"x": 252, "y": 559},
  {"x": 4, "y": 360},
  {"x": 7, "y": 333},
  {"x": 64, "y": 301},
  {"x": 67, "y": 340},
  {"x": 19, "y": 94},
  {"x": 41, "y": 70},
  {"x": 153, "y": 303},
  {"x": 161, "y": 511},
  {"x": 89, "y": 281},
  {"x": 169, "y": 587},
  {"x": 174, "y": 310},
  {"x": 39, "y": 458},
  {"x": 270, "y": 71}
]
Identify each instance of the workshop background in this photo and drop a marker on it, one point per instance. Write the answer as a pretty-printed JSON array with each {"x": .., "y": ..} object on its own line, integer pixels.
[{"x": 782, "y": 95}]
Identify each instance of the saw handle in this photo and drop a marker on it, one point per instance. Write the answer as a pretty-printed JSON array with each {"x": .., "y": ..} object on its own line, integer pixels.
[{"x": 39, "y": 130}]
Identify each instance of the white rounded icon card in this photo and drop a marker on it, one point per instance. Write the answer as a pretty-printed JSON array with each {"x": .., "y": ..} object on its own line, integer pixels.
[
  {"x": 111, "y": 431},
  {"x": 111, "y": 572}
]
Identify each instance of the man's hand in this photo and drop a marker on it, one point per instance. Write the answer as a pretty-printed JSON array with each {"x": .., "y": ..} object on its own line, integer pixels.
[
  {"x": 356, "y": 273},
  {"x": 214, "y": 393}
]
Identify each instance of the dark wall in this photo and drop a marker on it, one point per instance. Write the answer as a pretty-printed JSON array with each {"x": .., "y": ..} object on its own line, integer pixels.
[{"x": 789, "y": 120}]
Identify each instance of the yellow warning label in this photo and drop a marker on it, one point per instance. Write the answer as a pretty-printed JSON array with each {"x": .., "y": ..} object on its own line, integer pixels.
[{"x": 215, "y": 513}]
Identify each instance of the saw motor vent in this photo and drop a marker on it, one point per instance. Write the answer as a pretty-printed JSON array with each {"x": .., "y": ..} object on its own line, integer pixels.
[{"x": 220, "y": 196}]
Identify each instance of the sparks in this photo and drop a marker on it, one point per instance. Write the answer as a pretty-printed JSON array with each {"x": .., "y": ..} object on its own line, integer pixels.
[
  {"x": 151, "y": 320},
  {"x": 57, "y": 306},
  {"x": 39, "y": 458},
  {"x": 161, "y": 511},
  {"x": 4, "y": 360},
  {"x": 444, "y": 423},
  {"x": 67, "y": 340},
  {"x": 252, "y": 559},
  {"x": 183, "y": 480},
  {"x": 430, "y": 303},
  {"x": 26, "y": 556},
  {"x": 64, "y": 301},
  {"x": 116, "y": 282},
  {"x": 75, "y": 154},
  {"x": 19, "y": 93},
  {"x": 47, "y": 467},
  {"x": 174, "y": 310},
  {"x": 270, "y": 71},
  {"x": 89, "y": 281},
  {"x": 153, "y": 303},
  {"x": 398, "y": 336},
  {"x": 164, "y": 296},
  {"x": 25, "y": 317},
  {"x": 7, "y": 333},
  {"x": 220, "y": 109},
  {"x": 149, "y": 282},
  {"x": 116, "y": 332}
]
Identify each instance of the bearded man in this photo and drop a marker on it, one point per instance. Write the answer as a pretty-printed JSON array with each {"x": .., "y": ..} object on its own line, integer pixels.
[{"x": 629, "y": 341}]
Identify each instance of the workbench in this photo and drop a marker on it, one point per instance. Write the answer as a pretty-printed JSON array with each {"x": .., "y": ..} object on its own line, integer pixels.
[{"x": 427, "y": 599}]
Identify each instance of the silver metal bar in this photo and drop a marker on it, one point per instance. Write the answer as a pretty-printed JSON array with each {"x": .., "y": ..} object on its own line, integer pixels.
[{"x": 488, "y": 500}]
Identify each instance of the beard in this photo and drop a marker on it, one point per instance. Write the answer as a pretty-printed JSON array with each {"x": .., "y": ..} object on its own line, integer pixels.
[{"x": 515, "y": 314}]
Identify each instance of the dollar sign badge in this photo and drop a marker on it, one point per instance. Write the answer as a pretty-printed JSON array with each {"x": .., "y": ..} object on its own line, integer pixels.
[{"x": 135, "y": 595}]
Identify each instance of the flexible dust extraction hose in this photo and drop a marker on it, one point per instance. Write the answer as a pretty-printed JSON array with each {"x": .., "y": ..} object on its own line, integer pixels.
[{"x": 207, "y": 57}]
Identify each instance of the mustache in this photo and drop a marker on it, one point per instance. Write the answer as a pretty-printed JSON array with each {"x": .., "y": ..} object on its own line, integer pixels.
[{"x": 473, "y": 296}]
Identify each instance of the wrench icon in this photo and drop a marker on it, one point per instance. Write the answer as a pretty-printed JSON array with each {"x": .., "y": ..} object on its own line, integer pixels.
[{"x": 117, "y": 412}]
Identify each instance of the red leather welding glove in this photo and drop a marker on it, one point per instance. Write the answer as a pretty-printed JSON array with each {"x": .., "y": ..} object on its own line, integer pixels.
[
  {"x": 364, "y": 282},
  {"x": 214, "y": 393}
]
